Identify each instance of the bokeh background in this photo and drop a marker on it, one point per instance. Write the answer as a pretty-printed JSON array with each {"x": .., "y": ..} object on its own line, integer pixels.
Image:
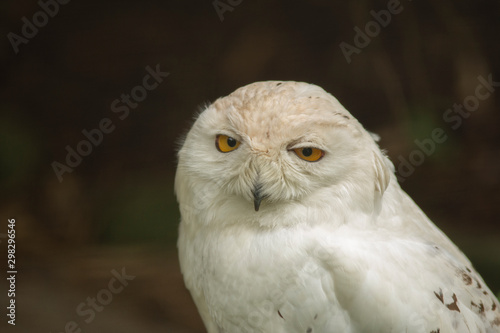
[{"x": 117, "y": 208}]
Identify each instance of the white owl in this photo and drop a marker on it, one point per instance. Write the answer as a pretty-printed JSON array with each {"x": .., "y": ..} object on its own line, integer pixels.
[{"x": 293, "y": 221}]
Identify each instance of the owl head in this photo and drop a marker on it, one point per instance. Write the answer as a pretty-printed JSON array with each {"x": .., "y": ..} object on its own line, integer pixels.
[{"x": 271, "y": 148}]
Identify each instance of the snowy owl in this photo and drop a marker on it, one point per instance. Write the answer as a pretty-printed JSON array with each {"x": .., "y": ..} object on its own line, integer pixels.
[{"x": 293, "y": 221}]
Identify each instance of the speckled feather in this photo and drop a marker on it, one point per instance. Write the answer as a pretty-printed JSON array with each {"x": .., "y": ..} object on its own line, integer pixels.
[{"x": 336, "y": 245}]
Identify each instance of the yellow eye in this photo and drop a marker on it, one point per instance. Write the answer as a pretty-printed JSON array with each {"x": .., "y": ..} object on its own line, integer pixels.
[
  {"x": 309, "y": 154},
  {"x": 225, "y": 143}
]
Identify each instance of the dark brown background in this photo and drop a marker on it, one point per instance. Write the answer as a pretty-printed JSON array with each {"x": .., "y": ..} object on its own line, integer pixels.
[{"x": 117, "y": 208}]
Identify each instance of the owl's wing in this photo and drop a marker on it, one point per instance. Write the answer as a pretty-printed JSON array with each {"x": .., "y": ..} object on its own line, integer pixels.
[
  {"x": 202, "y": 307},
  {"x": 406, "y": 285},
  {"x": 189, "y": 258}
]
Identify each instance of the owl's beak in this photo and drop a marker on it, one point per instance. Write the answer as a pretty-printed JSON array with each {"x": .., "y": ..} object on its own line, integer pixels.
[
  {"x": 256, "y": 203},
  {"x": 257, "y": 197}
]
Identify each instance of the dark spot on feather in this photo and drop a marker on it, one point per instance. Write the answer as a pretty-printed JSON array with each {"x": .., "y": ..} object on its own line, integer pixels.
[
  {"x": 453, "y": 306},
  {"x": 480, "y": 307},
  {"x": 468, "y": 269},
  {"x": 478, "y": 284},
  {"x": 436, "y": 331},
  {"x": 496, "y": 322},
  {"x": 485, "y": 292},
  {"x": 343, "y": 115},
  {"x": 310, "y": 97},
  {"x": 278, "y": 84},
  {"x": 494, "y": 306},
  {"x": 309, "y": 330},
  {"x": 439, "y": 296},
  {"x": 315, "y": 316},
  {"x": 279, "y": 313},
  {"x": 467, "y": 279}
]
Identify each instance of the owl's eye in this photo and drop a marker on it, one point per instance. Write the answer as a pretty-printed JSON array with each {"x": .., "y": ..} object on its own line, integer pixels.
[
  {"x": 309, "y": 154},
  {"x": 225, "y": 143}
]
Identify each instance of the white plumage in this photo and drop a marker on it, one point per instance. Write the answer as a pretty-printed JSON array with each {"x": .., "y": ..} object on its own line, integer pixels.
[{"x": 293, "y": 221}]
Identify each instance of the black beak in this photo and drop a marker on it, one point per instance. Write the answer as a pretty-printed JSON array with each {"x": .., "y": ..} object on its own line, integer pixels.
[{"x": 257, "y": 197}]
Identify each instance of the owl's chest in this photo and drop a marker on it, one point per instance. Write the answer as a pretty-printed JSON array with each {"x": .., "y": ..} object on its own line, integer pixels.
[
  {"x": 310, "y": 279},
  {"x": 266, "y": 282}
]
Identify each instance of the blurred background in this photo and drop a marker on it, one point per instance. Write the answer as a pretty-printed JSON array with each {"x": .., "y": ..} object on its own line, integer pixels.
[{"x": 116, "y": 209}]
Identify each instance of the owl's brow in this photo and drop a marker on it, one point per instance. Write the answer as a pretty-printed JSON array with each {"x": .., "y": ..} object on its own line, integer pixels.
[{"x": 312, "y": 139}]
